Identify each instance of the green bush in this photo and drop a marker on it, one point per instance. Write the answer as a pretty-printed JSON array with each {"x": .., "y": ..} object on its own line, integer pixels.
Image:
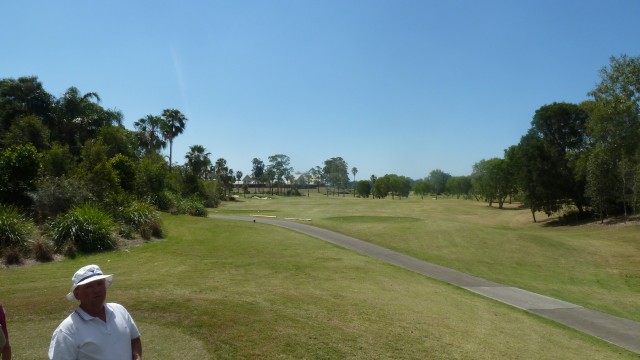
[
  {"x": 19, "y": 167},
  {"x": 142, "y": 217},
  {"x": 15, "y": 229},
  {"x": 192, "y": 206},
  {"x": 56, "y": 195},
  {"x": 86, "y": 227}
]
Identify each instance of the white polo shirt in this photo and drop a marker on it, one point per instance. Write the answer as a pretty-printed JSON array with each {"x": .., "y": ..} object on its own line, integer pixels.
[{"x": 81, "y": 336}]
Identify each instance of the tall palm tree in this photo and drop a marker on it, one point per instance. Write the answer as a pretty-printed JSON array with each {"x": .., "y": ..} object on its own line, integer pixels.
[
  {"x": 172, "y": 125},
  {"x": 149, "y": 127},
  {"x": 198, "y": 160},
  {"x": 354, "y": 171}
]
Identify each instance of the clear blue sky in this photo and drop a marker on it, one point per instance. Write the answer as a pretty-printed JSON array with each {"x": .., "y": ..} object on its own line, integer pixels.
[{"x": 399, "y": 86}]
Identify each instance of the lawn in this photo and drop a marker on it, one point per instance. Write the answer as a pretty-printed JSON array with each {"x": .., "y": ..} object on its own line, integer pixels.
[
  {"x": 226, "y": 290},
  {"x": 592, "y": 265}
]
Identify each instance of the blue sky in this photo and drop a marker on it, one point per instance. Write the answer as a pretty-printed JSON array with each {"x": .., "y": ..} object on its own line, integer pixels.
[{"x": 400, "y": 87}]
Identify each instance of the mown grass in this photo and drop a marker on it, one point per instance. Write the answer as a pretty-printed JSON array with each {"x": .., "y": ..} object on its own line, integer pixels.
[
  {"x": 235, "y": 290},
  {"x": 591, "y": 265}
]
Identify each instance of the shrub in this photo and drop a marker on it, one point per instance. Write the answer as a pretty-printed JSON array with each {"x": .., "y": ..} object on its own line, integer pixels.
[
  {"x": 142, "y": 216},
  {"x": 69, "y": 250},
  {"x": 192, "y": 206},
  {"x": 42, "y": 250},
  {"x": 13, "y": 256},
  {"x": 86, "y": 227},
  {"x": 179, "y": 205},
  {"x": 15, "y": 229},
  {"x": 56, "y": 196},
  {"x": 157, "y": 231}
]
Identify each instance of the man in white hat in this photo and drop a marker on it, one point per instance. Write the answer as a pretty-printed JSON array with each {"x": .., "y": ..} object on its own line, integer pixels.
[{"x": 95, "y": 330}]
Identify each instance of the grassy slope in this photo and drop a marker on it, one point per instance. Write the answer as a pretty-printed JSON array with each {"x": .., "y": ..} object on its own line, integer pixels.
[
  {"x": 223, "y": 289},
  {"x": 591, "y": 265}
]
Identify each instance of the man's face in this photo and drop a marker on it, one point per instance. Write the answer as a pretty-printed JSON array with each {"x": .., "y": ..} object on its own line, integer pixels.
[{"x": 92, "y": 294}]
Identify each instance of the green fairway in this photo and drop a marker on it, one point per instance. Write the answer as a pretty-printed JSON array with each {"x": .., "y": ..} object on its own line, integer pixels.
[
  {"x": 591, "y": 265},
  {"x": 225, "y": 290}
]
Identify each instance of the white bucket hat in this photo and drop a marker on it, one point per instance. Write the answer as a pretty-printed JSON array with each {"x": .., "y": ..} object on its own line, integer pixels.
[{"x": 85, "y": 275}]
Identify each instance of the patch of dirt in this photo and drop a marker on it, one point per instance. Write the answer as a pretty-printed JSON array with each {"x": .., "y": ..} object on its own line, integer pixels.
[
  {"x": 618, "y": 221},
  {"x": 123, "y": 245}
]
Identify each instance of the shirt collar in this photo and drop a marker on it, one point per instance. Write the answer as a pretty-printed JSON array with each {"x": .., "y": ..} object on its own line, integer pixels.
[{"x": 86, "y": 317}]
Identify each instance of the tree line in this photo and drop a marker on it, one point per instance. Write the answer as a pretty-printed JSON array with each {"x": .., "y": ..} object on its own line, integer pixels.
[
  {"x": 581, "y": 158},
  {"x": 584, "y": 157}
]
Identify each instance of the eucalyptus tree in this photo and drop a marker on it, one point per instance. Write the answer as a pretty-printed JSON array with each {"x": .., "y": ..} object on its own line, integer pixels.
[
  {"x": 173, "y": 124},
  {"x": 535, "y": 172},
  {"x": 422, "y": 187},
  {"x": 304, "y": 179},
  {"x": 336, "y": 172},
  {"x": 257, "y": 171},
  {"x": 238, "y": 179},
  {"x": 317, "y": 177},
  {"x": 459, "y": 186},
  {"x": 493, "y": 179},
  {"x": 279, "y": 163},
  {"x": 615, "y": 127},
  {"x": 562, "y": 129},
  {"x": 270, "y": 175},
  {"x": 602, "y": 181},
  {"x": 150, "y": 133},
  {"x": 438, "y": 180}
]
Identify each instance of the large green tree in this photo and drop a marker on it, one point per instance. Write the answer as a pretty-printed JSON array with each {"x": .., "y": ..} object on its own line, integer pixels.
[
  {"x": 535, "y": 174},
  {"x": 459, "y": 186},
  {"x": 280, "y": 164},
  {"x": 438, "y": 180},
  {"x": 422, "y": 187},
  {"x": 336, "y": 173},
  {"x": 257, "y": 172},
  {"x": 615, "y": 128},
  {"x": 493, "y": 179},
  {"x": 562, "y": 129},
  {"x": 23, "y": 97}
]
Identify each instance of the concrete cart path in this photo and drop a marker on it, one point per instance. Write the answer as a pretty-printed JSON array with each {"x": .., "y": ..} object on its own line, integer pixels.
[{"x": 618, "y": 331}]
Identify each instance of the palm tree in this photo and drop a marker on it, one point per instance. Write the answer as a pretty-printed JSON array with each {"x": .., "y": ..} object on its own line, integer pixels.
[
  {"x": 79, "y": 119},
  {"x": 149, "y": 127},
  {"x": 354, "y": 171},
  {"x": 198, "y": 161},
  {"x": 173, "y": 123}
]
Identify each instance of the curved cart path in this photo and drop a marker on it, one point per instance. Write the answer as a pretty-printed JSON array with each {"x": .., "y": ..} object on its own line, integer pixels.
[{"x": 618, "y": 331}]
